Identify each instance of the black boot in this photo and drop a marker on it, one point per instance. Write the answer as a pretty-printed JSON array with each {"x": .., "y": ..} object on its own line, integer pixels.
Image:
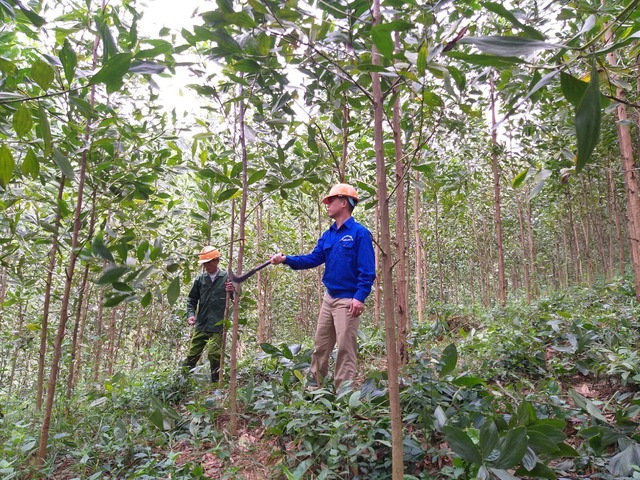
[{"x": 215, "y": 373}]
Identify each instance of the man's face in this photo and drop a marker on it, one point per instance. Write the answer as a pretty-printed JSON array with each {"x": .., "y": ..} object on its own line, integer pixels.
[
  {"x": 335, "y": 205},
  {"x": 212, "y": 266}
]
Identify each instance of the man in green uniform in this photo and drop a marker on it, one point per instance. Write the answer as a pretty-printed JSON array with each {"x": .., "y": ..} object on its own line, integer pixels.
[{"x": 205, "y": 310}]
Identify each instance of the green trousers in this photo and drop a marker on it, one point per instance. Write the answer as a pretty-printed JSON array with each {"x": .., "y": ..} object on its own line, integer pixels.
[{"x": 213, "y": 343}]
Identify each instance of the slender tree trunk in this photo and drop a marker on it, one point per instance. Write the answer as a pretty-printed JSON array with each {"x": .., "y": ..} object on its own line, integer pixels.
[
  {"x": 3, "y": 285},
  {"x": 397, "y": 460},
  {"x": 121, "y": 327},
  {"x": 418, "y": 253},
  {"x": 502, "y": 283},
  {"x": 616, "y": 216},
  {"x": 576, "y": 240},
  {"x": 585, "y": 226},
  {"x": 97, "y": 346},
  {"x": 64, "y": 307},
  {"x": 16, "y": 350},
  {"x": 82, "y": 307},
  {"x": 80, "y": 315},
  {"x": 611, "y": 214},
  {"x": 233, "y": 414},
  {"x": 532, "y": 256},
  {"x": 438, "y": 248},
  {"x": 523, "y": 244},
  {"x": 47, "y": 296},
  {"x": 377, "y": 305},
  {"x": 260, "y": 280},
  {"x": 402, "y": 303}
]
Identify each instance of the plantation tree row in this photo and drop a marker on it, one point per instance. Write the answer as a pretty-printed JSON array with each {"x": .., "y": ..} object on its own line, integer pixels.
[{"x": 493, "y": 147}]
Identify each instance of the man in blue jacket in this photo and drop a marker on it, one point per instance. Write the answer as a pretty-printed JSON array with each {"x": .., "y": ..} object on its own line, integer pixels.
[
  {"x": 205, "y": 309},
  {"x": 346, "y": 249}
]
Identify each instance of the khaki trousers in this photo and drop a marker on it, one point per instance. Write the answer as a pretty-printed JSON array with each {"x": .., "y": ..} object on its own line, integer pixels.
[{"x": 335, "y": 325}]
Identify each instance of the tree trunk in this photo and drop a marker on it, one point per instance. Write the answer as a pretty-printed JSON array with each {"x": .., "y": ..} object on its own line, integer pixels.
[
  {"x": 397, "y": 460},
  {"x": 616, "y": 210},
  {"x": 402, "y": 303},
  {"x": 260, "y": 280},
  {"x": 47, "y": 297},
  {"x": 233, "y": 404},
  {"x": 438, "y": 249},
  {"x": 377, "y": 305},
  {"x": 97, "y": 347},
  {"x": 631, "y": 187},
  {"x": 502, "y": 283},
  {"x": 80, "y": 315},
  {"x": 16, "y": 350},
  {"x": 418, "y": 253},
  {"x": 523, "y": 244},
  {"x": 532, "y": 257},
  {"x": 64, "y": 307}
]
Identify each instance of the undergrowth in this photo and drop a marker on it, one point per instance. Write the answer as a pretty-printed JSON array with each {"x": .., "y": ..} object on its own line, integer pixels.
[{"x": 547, "y": 390}]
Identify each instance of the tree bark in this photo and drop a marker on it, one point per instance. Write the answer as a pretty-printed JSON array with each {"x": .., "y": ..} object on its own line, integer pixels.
[
  {"x": 418, "y": 253},
  {"x": 47, "y": 297},
  {"x": 402, "y": 303},
  {"x": 523, "y": 244},
  {"x": 397, "y": 460},
  {"x": 233, "y": 414},
  {"x": 502, "y": 283},
  {"x": 260, "y": 280}
]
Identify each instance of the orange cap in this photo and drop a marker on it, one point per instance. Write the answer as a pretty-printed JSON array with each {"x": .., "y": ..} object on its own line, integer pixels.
[
  {"x": 207, "y": 254},
  {"x": 342, "y": 190}
]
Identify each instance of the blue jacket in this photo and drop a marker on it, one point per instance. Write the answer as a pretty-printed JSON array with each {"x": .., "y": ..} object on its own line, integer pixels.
[{"x": 349, "y": 261}]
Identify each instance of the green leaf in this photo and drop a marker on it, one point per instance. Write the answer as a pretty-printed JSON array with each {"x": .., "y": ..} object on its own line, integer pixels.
[
  {"x": 111, "y": 274},
  {"x": 520, "y": 178},
  {"x": 499, "y": 9},
  {"x": 146, "y": 300},
  {"x": 63, "y": 163},
  {"x": 109, "y": 45},
  {"x": 509, "y": 46},
  {"x": 462, "y": 445},
  {"x": 228, "y": 194},
  {"x": 485, "y": 60},
  {"x": 42, "y": 73},
  {"x": 587, "y": 120},
  {"x": 587, "y": 405},
  {"x": 270, "y": 349},
  {"x": 98, "y": 247},
  {"x": 423, "y": 53},
  {"x": 45, "y": 130},
  {"x": 622, "y": 464},
  {"x": 9, "y": 69},
  {"x": 31, "y": 165},
  {"x": 7, "y": 164},
  {"x": 538, "y": 471},
  {"x": 512, "y": 448},
  {"x": 33, "y": 17},
  {"x": 112, "y": 73},
  {"x": 22, "y": 120},
  {"x": 488, "y": 438},
  {"x": 147, "y": 68},
  {"x": 256, "y": 176},
  {"x": 448, "y": 360},
  {"x": 173, "y": 291},
  {"x": 381, "y": 36},
  {"x": 468, "y": 381},
  {"x": 115, "y": 300},
  {"x": 246, "y": 65},
  {"x": 540, "y": 443},
  {"x": 156, "y": 418},
  {"x": 69, "y": 60},
  {"x": 573, "y": 88}
]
